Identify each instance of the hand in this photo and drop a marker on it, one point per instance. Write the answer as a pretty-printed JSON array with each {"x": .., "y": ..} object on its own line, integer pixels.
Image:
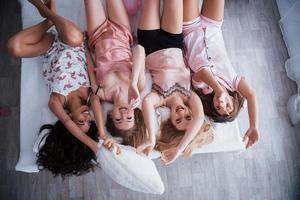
[
  {"x": 110, "y": 144},
  {"x": 145, "y": 148},
  {"x": 133, "y": 96},
  {"x": 222, "y": 97},
  {"x": 168, "y": 156},
  {"x": 251, "y": 137}
]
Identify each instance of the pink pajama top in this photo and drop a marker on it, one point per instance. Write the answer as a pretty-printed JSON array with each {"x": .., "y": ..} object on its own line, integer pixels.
[
  {"x": 204, "y": 48},
  {"x": 169, "y": 73},
  {"x": 111, "y": 42}
]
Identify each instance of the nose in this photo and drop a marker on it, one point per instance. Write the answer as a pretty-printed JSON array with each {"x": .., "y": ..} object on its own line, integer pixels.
[
  {"x": 123, "y": 110},
  {"x": 222, "y": 105}
]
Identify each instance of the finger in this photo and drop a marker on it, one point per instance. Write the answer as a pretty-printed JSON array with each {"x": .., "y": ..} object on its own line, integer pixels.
[
  {"x": 146, "y": 151},
  {"x": 162, "y": 158},
  {"x": 139, "y": 150},
  {"x": 111, "y": 147},
  {"x": 106, "y": 141},
  {"x": 249, "y": 144},
  {"x": 118, "y": 150},
  {"x": 246, "y": 138}
]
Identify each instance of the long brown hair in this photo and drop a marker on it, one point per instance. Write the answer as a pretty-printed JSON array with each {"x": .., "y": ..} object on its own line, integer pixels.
[
  {"x": 210, "y": 111},
  {"x": 171, "y": 137},
  {"x": 134, "y": 136}
]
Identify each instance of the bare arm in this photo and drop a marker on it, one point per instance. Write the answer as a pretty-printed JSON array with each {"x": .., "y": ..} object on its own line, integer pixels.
[
  {"x": 196, "y": 107},
  {"x": 57, "y": 108},
  {"x": 137, "y": 76},
  {"x": 138, "y": 68},
  {"x": 109, "y": 143},
  {"x": 97, "y": 110},
  {"x": 170, "y": 155},
  {"x": 252, "y": 133},
  {"x": 90, "y": 67},
  {"x": 207, "y": 77},
  {"x": 150, "y": 102}
]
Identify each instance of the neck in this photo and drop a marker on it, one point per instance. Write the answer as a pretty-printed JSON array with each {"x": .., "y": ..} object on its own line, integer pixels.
[
  {"x": 121, "y": 96},
  {"x": 174, "y": 101},
  {"x": 74, "y": 103}
]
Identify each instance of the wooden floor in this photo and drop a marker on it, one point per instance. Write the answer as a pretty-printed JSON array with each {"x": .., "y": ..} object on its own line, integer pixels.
[{"x": 270, "y": 170}]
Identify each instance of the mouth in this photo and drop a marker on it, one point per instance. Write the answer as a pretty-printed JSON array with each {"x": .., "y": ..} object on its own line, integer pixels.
[
  {"x": 179, "y": 108},
  {"x": 123, "y": 108},
  {"x": 86, "y": 112}
]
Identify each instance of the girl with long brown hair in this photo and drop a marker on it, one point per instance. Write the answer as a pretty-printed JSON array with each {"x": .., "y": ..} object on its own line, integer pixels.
[{"x": 222, "y": 91}]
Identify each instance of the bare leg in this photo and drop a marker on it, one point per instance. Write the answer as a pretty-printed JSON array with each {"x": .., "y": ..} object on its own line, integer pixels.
[
  {"x": 190, "y": 10},
  {"x": 150, "y": 19},
  {"x": 172, "y": 16},
  {"x": 213, "y": 9},
  {"x": 117, "y": 13},
  {"x": 95, "y": 15},
  {"x": 32, "y": 41},
  {"x": 68, "y": 32}
]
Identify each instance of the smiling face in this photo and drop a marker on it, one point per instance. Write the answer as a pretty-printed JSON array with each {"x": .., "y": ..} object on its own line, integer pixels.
[
  {"x": 123, "y": 117},
  {"x": 180, "y": 116},
  {"x": 82, "y": 118},
  {"x": 224, "y": 108}
]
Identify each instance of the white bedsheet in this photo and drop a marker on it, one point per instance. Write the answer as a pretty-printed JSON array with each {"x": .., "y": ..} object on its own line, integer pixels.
[{"x": 34, "y": 96}]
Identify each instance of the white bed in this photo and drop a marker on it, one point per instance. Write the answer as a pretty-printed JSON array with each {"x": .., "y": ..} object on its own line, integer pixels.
[{"x": 34, "y": 96}]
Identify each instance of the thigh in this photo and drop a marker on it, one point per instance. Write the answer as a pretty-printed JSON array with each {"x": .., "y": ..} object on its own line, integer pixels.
[
  {"x": 117, "y": 13},
  {"x": 213, "y": 9},
  {"x": 150, "y": 17},
  {"x": 172, "y": 17},
  {"x": 190, "y": 10},
  {"x": 21, "y": 46},
  {"x": 38, "y": 48},
  {"x": 95, "y": 14}
]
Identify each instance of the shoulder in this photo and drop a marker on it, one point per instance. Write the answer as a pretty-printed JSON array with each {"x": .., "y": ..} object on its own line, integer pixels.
[
  {"x": 56, "y": 100},
  {"x": 154, "y": 99}
]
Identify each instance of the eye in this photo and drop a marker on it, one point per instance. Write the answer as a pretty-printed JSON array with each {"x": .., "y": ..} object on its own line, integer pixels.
[
  {"x": 118, "y": 119},
  {"x": 188, "y": 117},
  {"x": 129, "y": 118},
  {"x": 178, "y": 121}
]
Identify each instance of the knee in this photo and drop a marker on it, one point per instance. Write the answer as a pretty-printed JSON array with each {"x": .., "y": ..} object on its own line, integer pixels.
[
  {"x": 14, "y": 46},
  {"x": 74, "y": 38}
]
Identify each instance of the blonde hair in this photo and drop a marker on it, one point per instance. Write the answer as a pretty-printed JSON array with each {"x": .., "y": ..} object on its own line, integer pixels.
[{"x": 171, "y": 137}]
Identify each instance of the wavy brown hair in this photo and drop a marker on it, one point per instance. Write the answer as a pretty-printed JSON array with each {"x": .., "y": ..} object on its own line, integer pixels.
[
  {"x": 63, "y": 154},
  {"x": 134, "y": 136},
  {"x": 210, "y": 111}
]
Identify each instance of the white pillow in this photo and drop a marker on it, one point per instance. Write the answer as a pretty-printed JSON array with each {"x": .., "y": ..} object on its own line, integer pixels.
[{"x": 133, "y": 171}]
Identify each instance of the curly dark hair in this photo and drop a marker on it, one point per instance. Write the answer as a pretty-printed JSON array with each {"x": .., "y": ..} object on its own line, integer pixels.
[
  {"x": 210, "y": 111},
  {"x": 63, "y": 154},
  {"x": 134, "y": 136}
]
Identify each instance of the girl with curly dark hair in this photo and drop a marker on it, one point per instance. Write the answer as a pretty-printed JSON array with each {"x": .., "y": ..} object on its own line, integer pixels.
[
  {"x": 63, "y": 154},
  {"x": 65, "y": 74}
]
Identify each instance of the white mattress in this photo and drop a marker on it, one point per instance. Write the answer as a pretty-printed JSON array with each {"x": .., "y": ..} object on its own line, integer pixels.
[{"x": 34, "y": 96}]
